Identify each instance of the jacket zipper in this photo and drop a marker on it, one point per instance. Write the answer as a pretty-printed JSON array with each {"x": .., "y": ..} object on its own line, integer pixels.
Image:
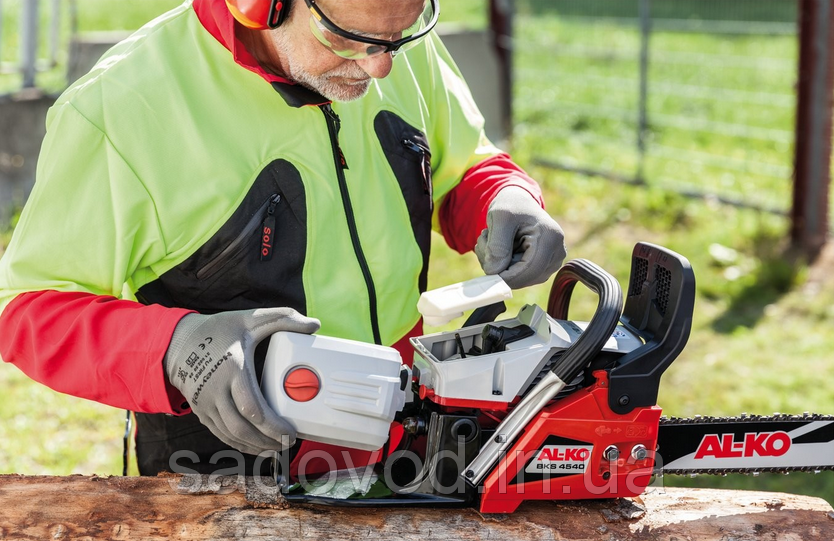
[
  {"x": 333, "y": 126},
  {"x": 268, "y": 229},
  {"x": 229, "y": 251},
  {"x": 425, "y": 162}
]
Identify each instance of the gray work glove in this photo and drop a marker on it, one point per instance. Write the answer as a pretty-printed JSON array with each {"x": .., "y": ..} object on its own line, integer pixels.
[
  {"x": 211, "y": 361},
  {"x": 522, "y": 244}
]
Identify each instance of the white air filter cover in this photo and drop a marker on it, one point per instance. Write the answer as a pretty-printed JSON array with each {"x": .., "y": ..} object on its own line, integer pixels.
[
  {"x": 348, "y": 394},
  {"x": 440, "y": 306}
]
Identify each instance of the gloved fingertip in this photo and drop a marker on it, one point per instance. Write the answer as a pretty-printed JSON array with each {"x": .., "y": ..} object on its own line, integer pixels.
[
  {"x": 271, "y": 425},
  {"x": 283, "y": 443},
  {"x": 224, "y": 434},
  {"x": 520, "y": 276},
  {"x": 510, "y": 279},
  {"x": 492, "y": 267},
  {"x": 310, "y": 324},
  {"x": 250, "y": 450}
]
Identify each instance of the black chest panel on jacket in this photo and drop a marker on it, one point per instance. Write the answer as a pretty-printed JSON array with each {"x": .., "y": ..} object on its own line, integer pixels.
[
  {"x": 229, "y": 272},
  {"x": 408, "y": 154}
]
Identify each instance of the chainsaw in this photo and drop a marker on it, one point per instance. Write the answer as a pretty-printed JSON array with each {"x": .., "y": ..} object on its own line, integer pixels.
[{"x": 534, "y": 407}]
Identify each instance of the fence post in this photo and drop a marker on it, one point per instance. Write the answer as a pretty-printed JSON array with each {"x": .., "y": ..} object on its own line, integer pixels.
[
  {"x": 643, "y": 120},
  {"x": 29, "y": 42},
  {"x": 812, "y": 158},
  {"x": 1, "y": 34},
  {"x": 54, "y": 32},
  {"x": 501, "y": 26}
]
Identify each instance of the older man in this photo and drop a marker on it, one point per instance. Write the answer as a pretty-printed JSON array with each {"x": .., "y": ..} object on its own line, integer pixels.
[{"x": 240, "y": 168}]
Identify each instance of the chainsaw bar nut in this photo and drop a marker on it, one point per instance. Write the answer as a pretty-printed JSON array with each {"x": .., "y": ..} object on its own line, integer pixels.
[
  {"x": 639, "y": 452},
  {"x": 611, "y": 453}
]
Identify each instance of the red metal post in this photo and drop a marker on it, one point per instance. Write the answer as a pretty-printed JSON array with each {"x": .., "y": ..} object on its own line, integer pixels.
[{"x": 812, "y": 154}]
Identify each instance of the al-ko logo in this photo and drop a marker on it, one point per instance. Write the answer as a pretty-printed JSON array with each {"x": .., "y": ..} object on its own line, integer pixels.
[
  {"x": 751, "y": 445},
  {"x": 561, "y": 459}
]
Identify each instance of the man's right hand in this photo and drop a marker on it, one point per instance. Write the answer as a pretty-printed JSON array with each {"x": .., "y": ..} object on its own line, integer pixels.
[{"x": 211, "y": 361}]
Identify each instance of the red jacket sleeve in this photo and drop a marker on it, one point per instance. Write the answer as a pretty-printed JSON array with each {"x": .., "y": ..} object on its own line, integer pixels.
[
  {"x": 93, "y": 346},
  {"x": 464, "y": 209}
]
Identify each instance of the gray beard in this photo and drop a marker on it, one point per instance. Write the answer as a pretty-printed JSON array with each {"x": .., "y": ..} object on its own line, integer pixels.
[
  {"x": 324, "y": 84},
  {"x": 329, "y": 89}
]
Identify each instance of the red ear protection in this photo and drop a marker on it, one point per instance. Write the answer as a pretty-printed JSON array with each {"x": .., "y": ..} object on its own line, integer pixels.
[{"x": 259, "y": 14}]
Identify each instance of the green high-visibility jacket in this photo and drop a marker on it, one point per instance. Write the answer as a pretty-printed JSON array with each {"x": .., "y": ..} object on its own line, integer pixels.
[{"x": 172, "y": 175}]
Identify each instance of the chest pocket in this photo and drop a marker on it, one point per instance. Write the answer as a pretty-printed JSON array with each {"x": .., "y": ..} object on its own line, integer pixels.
[
  {"x": 255, "y": 260},
  {"x": 408, "y": 153}
]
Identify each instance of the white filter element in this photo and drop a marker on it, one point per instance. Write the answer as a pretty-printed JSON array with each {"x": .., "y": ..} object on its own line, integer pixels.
[
  {"x": 440, "y": 306},
  {"x": 359, "y": 388}
]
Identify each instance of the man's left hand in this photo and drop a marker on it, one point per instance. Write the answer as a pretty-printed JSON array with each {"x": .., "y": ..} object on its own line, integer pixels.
[{"x": 522, "y": 243}]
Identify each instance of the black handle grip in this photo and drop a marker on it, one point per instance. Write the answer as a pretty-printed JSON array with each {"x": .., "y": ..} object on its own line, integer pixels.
[{"x": 603, "y": 323}]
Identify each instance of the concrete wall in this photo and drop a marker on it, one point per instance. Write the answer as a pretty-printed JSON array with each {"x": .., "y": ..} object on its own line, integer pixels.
[
  {"x": 476, "y": 58},
  {"x": 22, "y": 127},
  {"x": 23, "y": 116}
]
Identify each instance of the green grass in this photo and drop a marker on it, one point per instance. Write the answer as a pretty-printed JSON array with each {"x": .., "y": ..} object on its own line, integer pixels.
[
  {"x": 761, "y": 340},
  {"x": 761, "y": 10}
]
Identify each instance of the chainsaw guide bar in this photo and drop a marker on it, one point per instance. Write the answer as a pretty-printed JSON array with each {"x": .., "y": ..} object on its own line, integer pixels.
[{"x": 747, "y": 444}]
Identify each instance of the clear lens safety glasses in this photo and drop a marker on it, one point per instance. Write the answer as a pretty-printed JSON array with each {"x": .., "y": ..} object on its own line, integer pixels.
[{"x": 356, "y": 46}]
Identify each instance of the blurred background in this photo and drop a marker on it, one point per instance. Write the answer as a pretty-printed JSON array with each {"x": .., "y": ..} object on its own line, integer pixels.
[{"x": 701, "y": 125}]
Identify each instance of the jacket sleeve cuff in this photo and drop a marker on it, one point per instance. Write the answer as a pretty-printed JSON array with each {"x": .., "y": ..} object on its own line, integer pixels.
[
  {"x": 168, "y": 399},
  {"x": 463, "y": 213}
]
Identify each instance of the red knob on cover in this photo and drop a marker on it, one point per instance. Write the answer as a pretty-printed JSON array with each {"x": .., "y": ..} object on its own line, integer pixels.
[{"x": 302, "y": 384}]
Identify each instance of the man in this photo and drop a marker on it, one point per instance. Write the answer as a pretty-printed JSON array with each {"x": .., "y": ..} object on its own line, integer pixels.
[{"x": 240, "y": 168}]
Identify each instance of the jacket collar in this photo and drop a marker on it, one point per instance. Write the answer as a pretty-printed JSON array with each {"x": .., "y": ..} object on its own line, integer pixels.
[{"x": 218, "y": 21}]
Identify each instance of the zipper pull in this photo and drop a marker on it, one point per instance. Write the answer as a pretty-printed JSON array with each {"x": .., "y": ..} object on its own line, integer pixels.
[
  {"x": 332, "y": 116},
  {"x": 342, "y": 160},
  {"x": 268, "y": 228},
  {"x": 425, "y": 163},
  {"x": 415, "y": 147}
]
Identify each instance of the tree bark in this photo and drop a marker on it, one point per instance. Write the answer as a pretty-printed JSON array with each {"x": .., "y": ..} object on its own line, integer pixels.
[{"x": 87, "y": 508}]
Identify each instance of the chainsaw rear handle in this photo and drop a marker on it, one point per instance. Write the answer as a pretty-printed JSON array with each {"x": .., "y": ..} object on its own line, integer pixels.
[
  {"x": 659, "y": 307},
  {"x": 602, "y": 324},
  {"x": 589, "y": 343}
]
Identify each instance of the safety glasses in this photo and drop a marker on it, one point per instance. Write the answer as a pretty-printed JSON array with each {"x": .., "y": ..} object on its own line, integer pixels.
[{"x": 355, "y": 46}]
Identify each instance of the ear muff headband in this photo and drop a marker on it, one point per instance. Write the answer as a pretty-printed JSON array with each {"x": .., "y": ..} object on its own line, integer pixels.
[{"x": 259, "y": 14}]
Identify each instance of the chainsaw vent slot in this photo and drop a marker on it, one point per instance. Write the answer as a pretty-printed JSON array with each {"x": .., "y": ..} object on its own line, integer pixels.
[
  {"x": 639, "y": 274},
  {"x": 664, "y": 287}
]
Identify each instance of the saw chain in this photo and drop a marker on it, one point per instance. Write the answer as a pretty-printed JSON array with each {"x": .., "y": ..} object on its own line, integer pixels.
[{"x": 745, "y": 444}]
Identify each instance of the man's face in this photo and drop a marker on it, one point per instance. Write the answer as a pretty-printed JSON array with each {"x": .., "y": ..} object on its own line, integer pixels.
[{"x": 307, "y": 61}]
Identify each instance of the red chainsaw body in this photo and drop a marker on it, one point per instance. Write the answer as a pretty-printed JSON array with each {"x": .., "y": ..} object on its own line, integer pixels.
[{"x": 561, "y": 454}]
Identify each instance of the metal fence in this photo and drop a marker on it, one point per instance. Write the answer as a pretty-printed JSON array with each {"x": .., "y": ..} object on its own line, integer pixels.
[
  {"x": 39, "y": 25},
  {"x": 692, "y": 95}
]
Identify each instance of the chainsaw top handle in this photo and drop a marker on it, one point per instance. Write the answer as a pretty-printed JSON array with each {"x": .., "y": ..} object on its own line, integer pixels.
[{"x": 602, "y": 324}]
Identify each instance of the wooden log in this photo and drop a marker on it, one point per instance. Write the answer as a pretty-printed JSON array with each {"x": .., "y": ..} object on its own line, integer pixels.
[{"x": 87, "y": 508}]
